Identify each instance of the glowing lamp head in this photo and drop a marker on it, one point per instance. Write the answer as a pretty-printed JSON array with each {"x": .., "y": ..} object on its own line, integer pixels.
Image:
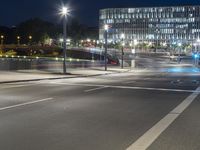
[
  {"x": 106, "y": 27},
  {"x": 2, "y": 36},
  {"x": 122, "y": 36},
  {"x": 196, "y": 56},
  {"x": 135, "y": 42},
  {"x": 64, "y": 10},
  {"x": 30, "y": 37},
  {"x": 164, "y": 44},
  {"x": 18, "y": 37}
]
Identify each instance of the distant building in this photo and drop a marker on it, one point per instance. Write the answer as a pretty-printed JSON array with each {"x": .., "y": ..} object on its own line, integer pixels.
[{"x": 169, "y": 25}]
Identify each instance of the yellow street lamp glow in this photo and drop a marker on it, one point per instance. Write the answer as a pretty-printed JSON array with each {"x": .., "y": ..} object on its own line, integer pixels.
[
  {"x": 18, "y": 37},
  {"x": 2, "y": 36},
  {"x": 30, "y": 37}
]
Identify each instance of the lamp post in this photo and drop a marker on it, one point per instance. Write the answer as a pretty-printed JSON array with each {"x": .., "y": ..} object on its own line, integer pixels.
[
  {"x": 64, "y": 12},
  {"x": 123, "y": 44},
  {"x": 18, "y": 40},
  {"x": 197, "y": 51},
  {"x": 30, "y": 39},
  {"x": 135, "y": 44},
  {"x": 106, "y": 27},
  {"x": 179, "y": 52},
  {"x": 2, "y": 38}
]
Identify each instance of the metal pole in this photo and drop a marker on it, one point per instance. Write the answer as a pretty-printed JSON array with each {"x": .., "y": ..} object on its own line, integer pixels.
[
  {"x": 179, "y": 55},
  {"x": 122, "y": 55},
  {"x": 106, "y": 48},
  {"x": 65, "y": 43}
]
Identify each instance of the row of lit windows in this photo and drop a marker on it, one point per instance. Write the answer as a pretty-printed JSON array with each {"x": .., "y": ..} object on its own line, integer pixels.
[
  {"x": 161, "y": 9},
  {"x": 152, "y": 10},
  {"x": 147, "y": 15},
  {"x": 156, "y": 32},
  {"x": 154, "y": 37},
  {"x": 161, "y": 21}
]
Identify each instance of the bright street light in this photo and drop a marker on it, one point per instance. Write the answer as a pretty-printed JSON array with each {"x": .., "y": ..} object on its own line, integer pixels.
[
  {"x": 88, "y": 40},
  {"x": 18, "y": 40},
  {"x": 122, "y": 36},
  {"x": 106, "y": 27},
  {"x": 2, "y": 37},
  {"x": 179, "y": 44},
  {"x": 164, "y": 44},
  {"x": 179, "y": 52},
  {"x": 135, "y": 43},
  {"x": 64, "y": 12}
]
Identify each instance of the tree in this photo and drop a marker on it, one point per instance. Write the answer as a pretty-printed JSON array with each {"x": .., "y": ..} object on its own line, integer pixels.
[{"x": 36, "y": 28}]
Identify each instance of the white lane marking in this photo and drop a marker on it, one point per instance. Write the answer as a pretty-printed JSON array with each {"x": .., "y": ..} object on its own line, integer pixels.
[
  {"x": 16, "y": 86},
  {"x": 129, "y": 82},
  {"x": 99, "y": 88},
  {"x": 152, "y": 134},
  {"x": 129, "y": 87},
  {"x": 24, "y": 104}
]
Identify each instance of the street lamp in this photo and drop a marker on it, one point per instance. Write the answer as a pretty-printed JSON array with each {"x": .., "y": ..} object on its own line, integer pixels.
[
  {"x": 179, "y": 52},
  {"x": 64, "y": 12},
  {"x": 123, "y": 44},
  {"x": 135, "y": 44},
  {"x": 30, "y": 39},
  {"x": 197, "y": 51},
  {"x": 18, "y": 40},
  {"x": 106, "y": 27},
  {"x": 2, "y": 38}
]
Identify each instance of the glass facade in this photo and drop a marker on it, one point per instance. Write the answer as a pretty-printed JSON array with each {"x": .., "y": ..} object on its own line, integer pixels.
[{"x": 156, "y": 24}]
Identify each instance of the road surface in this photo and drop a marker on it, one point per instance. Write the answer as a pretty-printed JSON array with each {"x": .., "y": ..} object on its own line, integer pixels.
[{"x": 127, "y": 111}]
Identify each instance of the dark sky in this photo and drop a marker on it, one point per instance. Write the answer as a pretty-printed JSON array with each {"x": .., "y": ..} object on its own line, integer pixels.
[{"x": 13, "y": 12}]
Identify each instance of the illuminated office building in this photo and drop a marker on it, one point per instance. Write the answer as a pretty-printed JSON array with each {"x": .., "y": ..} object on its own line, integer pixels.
[{"x": 167, "y": 25}]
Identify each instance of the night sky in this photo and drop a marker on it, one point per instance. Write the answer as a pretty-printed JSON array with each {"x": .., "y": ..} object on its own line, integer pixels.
[{"x": 13, "y": 12}]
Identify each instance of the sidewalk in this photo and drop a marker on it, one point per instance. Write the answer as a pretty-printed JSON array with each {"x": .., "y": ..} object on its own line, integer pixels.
[{"x": 34, "y": 75}]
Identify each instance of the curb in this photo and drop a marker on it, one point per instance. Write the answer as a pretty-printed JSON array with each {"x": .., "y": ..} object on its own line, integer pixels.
[{"x": 56, "y": 78}]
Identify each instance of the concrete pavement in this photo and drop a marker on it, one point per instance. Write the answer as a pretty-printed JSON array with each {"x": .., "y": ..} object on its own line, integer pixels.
[{"x": 28, "y": 75}]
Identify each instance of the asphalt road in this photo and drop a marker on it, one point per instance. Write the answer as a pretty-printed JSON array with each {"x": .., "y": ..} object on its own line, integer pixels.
[{"x": 127, "y": 111}]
